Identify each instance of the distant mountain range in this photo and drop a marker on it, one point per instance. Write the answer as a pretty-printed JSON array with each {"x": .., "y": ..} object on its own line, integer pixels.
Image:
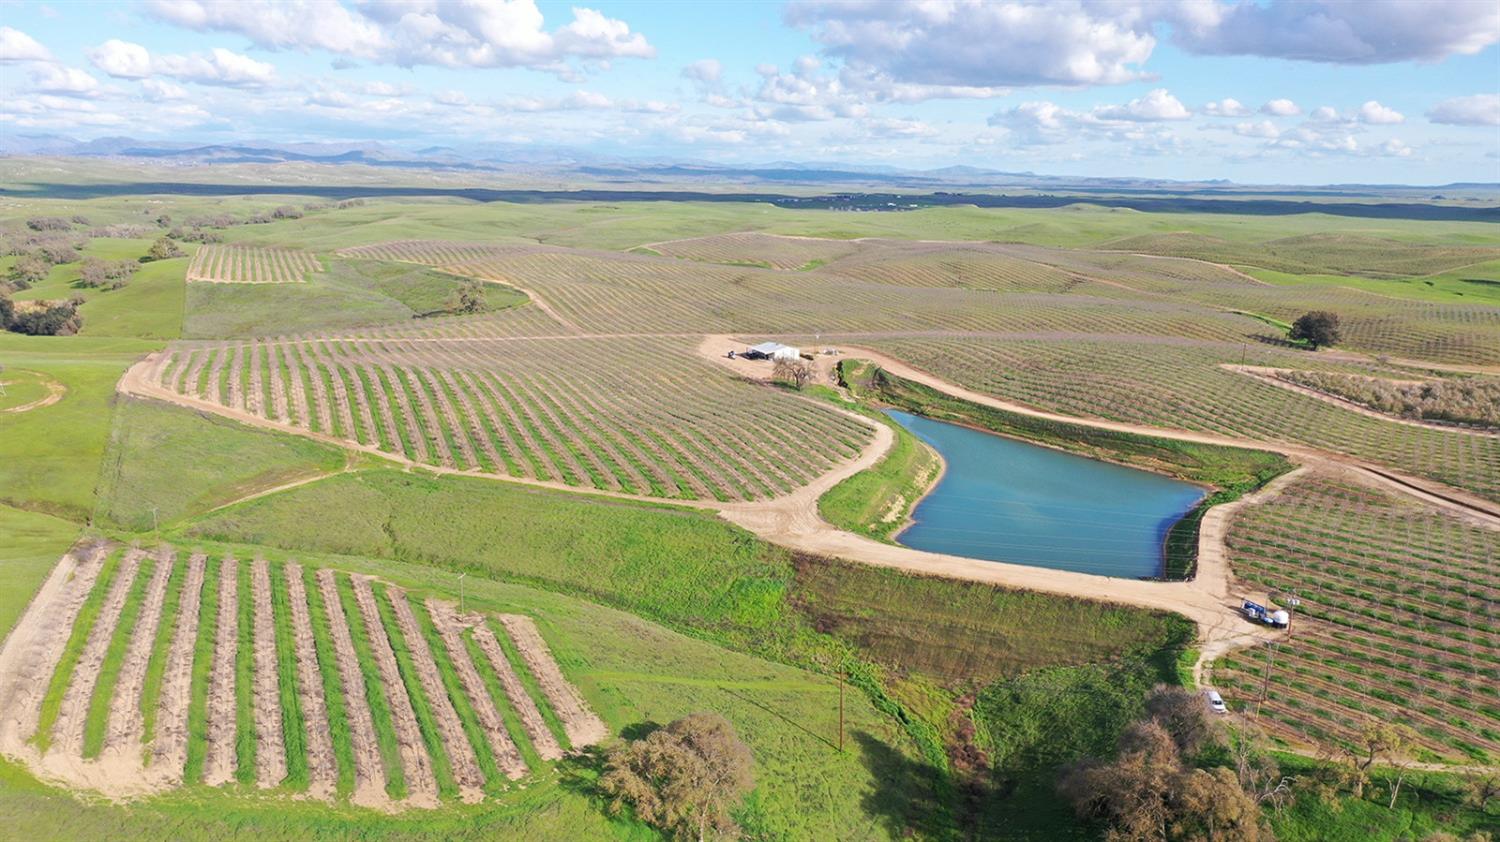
[{"x": 565, "y": 161}]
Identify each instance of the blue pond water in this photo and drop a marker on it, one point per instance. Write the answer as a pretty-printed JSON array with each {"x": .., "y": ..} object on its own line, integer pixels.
[{"x": 1006, "y": 500}]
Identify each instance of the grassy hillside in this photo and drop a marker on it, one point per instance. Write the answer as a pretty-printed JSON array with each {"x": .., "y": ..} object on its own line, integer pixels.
[
  {"x": 165, "y": 462},
  {"x": 150, "y": 305},
  {"x": 351, "y": 293},
  {"x": 632, "y": 671},
  {"x": 913, "y": 646},
  {"x": 30, "y": 545},
  {"x": 877, "y": 502},
  {"x": 50, "y": 456}
]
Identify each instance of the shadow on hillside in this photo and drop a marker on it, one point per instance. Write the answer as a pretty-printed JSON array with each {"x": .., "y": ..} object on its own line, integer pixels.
[
  {"x": 783, "y": 717},
  {"x": 907, "y": 797}
]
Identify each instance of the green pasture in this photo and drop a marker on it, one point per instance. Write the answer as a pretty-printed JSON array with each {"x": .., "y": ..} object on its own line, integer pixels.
[
  {"x": 150, "y": 306},
  {"x": 350, "y": 293},
  {"x": 1479, "y": 284},
  {"x": 166, "y": 462},
  {"x": 21, "y": 387},
  {"x": 50, "y": 456},
  {"x": 30, "y": 545}
]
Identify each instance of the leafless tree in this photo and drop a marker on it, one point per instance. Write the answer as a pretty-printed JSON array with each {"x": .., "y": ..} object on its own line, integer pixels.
[
  {"x": 1149, "y": 793},
  {"x": 683, "y": 778},
  {"x": 798, "y": 372},
  {"x": 1377, "y": 741},
  {"x": 1185, "y": 716},
  {"x": 1257, "y": 771},
  {"x": 1480, "y": 788}
]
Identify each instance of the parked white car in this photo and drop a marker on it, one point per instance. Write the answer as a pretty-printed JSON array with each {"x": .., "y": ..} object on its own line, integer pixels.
[{"x": 1215, "y": 702}]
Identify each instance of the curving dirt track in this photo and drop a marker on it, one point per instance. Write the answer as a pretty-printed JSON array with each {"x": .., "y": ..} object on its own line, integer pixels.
[
  {"x": 1209, "y": 599},
  {"x": 792, "y": 520},
  {"x": 55, "y": 392}
]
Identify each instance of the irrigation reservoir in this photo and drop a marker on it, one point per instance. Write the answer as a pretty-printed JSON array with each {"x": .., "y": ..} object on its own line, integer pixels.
[{"x": 1007, "y": 500}]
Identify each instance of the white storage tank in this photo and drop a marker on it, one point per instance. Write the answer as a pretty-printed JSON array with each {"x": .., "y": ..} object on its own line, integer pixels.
[{"x": 1281, "y": 619}]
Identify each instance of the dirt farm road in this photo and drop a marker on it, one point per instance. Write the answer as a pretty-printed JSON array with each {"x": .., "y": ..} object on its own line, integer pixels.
[
  {"x": 55, "y": 392},
  {"x": 792, "y": 520}
]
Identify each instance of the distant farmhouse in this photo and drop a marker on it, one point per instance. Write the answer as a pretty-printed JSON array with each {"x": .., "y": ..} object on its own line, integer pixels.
[{"x": 772, "y": 351}]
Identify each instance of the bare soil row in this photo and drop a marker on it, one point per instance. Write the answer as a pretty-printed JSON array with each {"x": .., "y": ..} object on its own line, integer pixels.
[{"x": 422, "y": 709}]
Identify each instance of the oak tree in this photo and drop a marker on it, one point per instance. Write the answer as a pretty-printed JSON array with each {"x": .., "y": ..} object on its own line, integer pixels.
[
  {"x": 1317, "y": 329},
  {"x": 683, "y": 778}
]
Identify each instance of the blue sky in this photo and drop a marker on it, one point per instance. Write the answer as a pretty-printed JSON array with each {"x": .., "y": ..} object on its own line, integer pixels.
[{"x": 1265, "y": 91}]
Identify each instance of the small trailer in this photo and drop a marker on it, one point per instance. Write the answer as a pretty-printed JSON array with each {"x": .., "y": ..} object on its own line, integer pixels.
[{"x": 1257, "y": 613}]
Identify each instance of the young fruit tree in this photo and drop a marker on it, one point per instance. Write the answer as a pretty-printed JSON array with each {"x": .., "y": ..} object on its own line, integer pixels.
[
  {"x": 1317, "y": 329},
  {"x": 683, "y": 778}
]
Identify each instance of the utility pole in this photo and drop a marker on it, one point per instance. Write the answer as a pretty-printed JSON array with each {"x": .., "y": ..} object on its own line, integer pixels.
[
  {"x": 841, "y": 711},
  {"x": 461, "y": 592},
  {"x": 1265, "y": 682},
  {"x": 154, "y": 526}
]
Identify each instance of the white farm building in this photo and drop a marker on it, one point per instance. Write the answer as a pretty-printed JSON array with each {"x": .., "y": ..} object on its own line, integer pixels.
[{"x": 772, "y": 351}]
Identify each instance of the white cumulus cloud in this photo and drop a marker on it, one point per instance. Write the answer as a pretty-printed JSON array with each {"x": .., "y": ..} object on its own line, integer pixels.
[
  {"x": 16, "y": 45},
  {"x": 218, "y": 66},
  {"x": 63, "y": 81},
  {"x": 122, "y": 59},
  {"x": 706, "y": 71},
  {"x": 1395, "y": 148},
  {"x": 804, "y": 94},
  {"x": 946, "y": 46},
  {"x": 1324, "y": 114},
  {"x": 160, "y": 90},
  {"x": 1037, "y": 123},
  {"x": 1375, "y": 114},
  {"x": 1155, "y": 106},
  {"x": 406, "y": 33},
  {"x": 1281, "y": 108},
  {"x": 1259, "y": 128},
  {"x": 1476, "y": 110},
  {"x": 1336, "y": 31},
  {"x": 1226, "y": 107},
  {"x": 975, "y": 43}
]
